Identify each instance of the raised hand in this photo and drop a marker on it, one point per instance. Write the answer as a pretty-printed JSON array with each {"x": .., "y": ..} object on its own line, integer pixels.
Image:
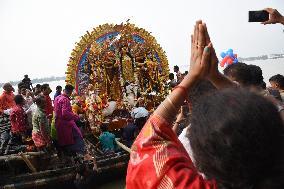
[
  {"x": 274, "y": 17},
  {"x": 200, "y": 52}
]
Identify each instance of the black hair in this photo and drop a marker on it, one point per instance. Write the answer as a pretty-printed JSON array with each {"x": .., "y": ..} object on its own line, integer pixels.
[
  {"x": 104, "y": 127},
  {"x": 38, "y": 86},
  {"x": 21, "y": 85},
  {"x": 176, "y": 67},
  {"x": 69, "y": 88},
  {"x": 256, "y": 75},
  {"x": 239, "y": 72},
  {"x": 236, "y": 138},
  {"x": 279, "y": 79},
  {"x": 58, "y": 87},
  {"x": 171, "y": 76},
  {"x": 186, "y": 72},
  {"x": 44, "y": 87},
  {"x": 263, "y": 85},
  {"x": 19, "y": 99}
]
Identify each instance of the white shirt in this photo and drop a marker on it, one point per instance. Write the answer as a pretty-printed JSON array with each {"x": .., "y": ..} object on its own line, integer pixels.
[{"x": 139, "y": 112}]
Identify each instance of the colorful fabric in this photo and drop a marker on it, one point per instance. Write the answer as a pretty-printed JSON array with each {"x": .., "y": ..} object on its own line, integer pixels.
[
  {"x": 39, "y": 140},
  {"x": 48, "y": 107},
  {"x": 107, "y": 141},
  {"x": 159, "y": 160},
  {"x": 78, "y": 146},
  {"x": 65, "y": 120},
  {"x": 53, "y": 132},
  {"x": 57, "y": 93},
  {"x": 40, "y": 121},
  {"x": 18, "y": 120},
  {"x": 5, "y": 124},
  {"x": 6, "y": 101}
]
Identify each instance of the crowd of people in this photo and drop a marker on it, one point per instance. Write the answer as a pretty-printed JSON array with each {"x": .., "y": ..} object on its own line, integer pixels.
[
  {"x": 57, "y": 123},
  {"x": 31, "y": 113},
  {"x": 213, "y": 130}
]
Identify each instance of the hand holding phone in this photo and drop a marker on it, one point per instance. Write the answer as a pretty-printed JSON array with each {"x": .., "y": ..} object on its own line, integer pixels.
[
  {"x": 274, "y": 17},
  {"x": 258, "y": 16}
]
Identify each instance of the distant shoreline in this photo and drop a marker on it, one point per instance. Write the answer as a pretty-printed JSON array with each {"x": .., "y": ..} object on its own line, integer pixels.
[
  {"x": 263, "y": 57},
  {"x": 38, "y": 80}
]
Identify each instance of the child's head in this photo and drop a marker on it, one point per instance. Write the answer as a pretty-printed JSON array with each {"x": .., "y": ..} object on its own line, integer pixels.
[
  {"x": 19, "y": 100},
  {"x": 277, "y": 82},
  {"x": 237, "y": 139}
]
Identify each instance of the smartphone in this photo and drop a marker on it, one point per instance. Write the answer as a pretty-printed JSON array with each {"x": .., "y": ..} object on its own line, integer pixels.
[{"x": 258, "y": 16}]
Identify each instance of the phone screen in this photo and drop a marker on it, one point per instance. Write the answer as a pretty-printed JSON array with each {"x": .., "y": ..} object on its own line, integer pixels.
[{"x": 258, "y": 16}]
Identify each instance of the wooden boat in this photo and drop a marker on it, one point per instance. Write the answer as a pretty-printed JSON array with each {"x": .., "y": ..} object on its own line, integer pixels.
[{"x": 44, "y": 170}]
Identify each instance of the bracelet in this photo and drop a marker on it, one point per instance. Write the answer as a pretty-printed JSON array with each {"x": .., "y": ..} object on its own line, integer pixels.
[
  {"x": 184, "y": 90},
  {"x": 280, "y": 108},
  {"x": 171, "y": 102}
]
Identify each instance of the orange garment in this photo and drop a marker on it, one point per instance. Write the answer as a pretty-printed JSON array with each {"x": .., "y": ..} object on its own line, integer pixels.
[
  {"x": 6, "y": 101},
  {"x": 159, "y": 160}
]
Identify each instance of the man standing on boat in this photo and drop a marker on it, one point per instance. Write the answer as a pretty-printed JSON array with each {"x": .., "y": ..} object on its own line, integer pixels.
[
  {"x": 69, "y": 135},
  {"x": 7, "y": 98}
]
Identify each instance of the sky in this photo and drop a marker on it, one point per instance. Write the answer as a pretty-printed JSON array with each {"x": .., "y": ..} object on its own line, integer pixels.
[{"x": 37, "y": 36}]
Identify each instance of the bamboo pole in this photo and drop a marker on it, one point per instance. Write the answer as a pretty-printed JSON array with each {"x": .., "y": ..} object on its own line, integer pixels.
[
  {"x": 28, "y": 162},
  {"x": 122, "y": 146},
  {"x": 12, "y": 157},
  {"x": 40, "y": 182}
]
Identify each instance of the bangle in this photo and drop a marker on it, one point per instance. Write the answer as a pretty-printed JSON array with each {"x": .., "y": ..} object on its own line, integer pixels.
[
  {"x": 172, "y": 104},
  {"x": 280, "y": 108},
  {"x": 184, "y": 91}
]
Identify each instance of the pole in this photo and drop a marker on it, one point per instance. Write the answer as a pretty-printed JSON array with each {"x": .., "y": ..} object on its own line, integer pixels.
[
  {"x": 27, "y": 161},
  {"x": 122, "y": 146}
]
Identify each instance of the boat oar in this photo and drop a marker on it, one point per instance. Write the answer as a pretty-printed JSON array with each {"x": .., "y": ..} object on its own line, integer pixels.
[
  {"x": 28, "y": 162},
  {"x": 122, "y": 146}
]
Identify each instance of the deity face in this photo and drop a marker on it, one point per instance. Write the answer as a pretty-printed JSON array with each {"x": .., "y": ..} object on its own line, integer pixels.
[{"x": 90, "y": 87}]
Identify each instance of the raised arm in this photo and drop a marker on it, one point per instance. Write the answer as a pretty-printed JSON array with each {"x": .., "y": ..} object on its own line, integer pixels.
[{"x": 200, "y": 56}]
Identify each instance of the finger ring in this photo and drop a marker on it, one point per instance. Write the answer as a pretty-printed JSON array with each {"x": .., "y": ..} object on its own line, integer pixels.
[{"x": 202, "y": 46}]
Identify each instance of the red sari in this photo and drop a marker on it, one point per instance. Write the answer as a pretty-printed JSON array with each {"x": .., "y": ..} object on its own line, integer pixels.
[{"x": 159, "y": 160}]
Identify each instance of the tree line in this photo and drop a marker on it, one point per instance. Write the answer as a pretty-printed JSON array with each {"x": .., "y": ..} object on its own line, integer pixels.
[{"x": 39, "y": 80}]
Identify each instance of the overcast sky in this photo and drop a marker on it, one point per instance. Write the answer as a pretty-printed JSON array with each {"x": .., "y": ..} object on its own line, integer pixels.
[{"x": 37, "y": 36}]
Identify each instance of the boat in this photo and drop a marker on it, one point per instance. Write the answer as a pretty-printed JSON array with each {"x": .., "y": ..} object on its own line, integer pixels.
[{"x": 44, "y": 169}]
